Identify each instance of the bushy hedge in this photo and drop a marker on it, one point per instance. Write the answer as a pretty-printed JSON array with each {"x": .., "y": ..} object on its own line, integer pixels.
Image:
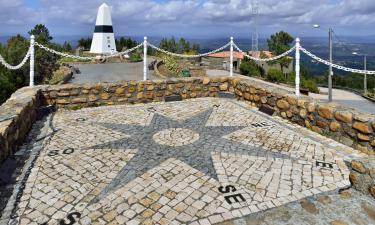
[
  {"x": 275, "y": 75},
  {"x": 250, "y": 68}
]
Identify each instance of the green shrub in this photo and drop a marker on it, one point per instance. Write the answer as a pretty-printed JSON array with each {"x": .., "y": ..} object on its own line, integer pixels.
[
  {"x": 135, "y": 57},
  {"x": 309, "y": 84},
  {"x": 172, "y": 65},
  {"x": 275, "y": 75},
  {"x": 250, "y": 68}
]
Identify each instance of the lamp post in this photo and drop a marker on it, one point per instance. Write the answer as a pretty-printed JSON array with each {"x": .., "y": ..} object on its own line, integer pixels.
[
  {"x": 330, "y": 73},
  {"x": 365, "y": 69}
]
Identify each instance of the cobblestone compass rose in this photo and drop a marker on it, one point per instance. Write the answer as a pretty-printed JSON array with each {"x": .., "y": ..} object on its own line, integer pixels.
[{"x": 189, "y": 141}]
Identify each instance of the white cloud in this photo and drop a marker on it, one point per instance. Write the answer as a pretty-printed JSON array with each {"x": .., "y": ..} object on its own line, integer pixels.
[{"x": 152, "y": 17}]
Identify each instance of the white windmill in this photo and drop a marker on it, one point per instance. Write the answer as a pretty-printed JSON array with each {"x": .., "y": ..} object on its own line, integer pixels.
[{"x": 103, "y": 41}]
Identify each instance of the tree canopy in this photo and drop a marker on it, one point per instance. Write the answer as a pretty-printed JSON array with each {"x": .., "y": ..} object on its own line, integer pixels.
[
  {"x": 182, "y": 46},
  {"x": 125, "y": 43},
  {"x": 279, "y": 43},
  {"x": 15, "y": 50}
]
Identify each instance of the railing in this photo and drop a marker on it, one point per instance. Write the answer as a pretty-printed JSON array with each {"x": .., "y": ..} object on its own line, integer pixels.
[{"x": 297, "y": 47}]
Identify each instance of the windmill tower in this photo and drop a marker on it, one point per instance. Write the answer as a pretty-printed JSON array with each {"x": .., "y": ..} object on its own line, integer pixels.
[
  {"x": 103, "y": 41},
  {"x": 255, "y": 35}
]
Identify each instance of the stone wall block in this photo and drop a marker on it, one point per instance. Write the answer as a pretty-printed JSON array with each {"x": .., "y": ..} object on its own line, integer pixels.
[
  {"x": 326, "y": 112},
  {"x": 362, "y": 127},
  {"x": 282, "y": 104},
  {"x": 344, "y": 116},
  {"x": 334, "y": 126}
]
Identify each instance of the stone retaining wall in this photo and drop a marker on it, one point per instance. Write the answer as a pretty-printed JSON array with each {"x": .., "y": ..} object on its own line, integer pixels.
[
  {"x": 17, "y": 115},
  {"x": 73, "y": 95},
  {"x": 344, "y": 125}
]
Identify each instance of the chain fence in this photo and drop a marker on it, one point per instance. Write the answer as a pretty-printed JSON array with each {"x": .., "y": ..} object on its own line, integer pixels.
[
  {"x": 86, "y": 57},
  {"x": 188, "y": 56},
  {"x": 10, "y": 67},
  {"x": 265, "y": 59},
  {"x": 313, "y": 56},
  {"x": 335, "y": 65}
]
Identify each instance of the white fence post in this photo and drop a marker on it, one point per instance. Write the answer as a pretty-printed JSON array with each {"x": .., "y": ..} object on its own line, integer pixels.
[
  {"x": 231, "y": 57},
  {"x": 32, "y": 59},
  {"x": 298, "y": 45},
  {"x": 145, "y": 58}
]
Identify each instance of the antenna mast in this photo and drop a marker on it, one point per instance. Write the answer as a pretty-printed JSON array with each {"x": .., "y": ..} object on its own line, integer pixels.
[{"x": 255, "y": 35}]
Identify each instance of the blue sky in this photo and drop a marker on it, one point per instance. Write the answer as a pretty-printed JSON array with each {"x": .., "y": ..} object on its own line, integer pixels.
[{"x": 191, "y": 18}]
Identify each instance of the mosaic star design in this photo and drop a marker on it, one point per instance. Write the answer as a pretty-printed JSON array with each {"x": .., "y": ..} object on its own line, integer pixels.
[{"x": 152, "y": 151}]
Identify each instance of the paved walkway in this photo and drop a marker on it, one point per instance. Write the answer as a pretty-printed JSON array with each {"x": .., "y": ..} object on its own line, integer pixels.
[
  {"x": 341, "y": 97},
  {"x": 110, "y": 72},
  {"x": 200, "y": 161}
]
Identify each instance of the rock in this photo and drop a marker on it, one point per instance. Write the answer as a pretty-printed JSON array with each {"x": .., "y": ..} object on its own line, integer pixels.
[
  {"x": 369, "y": 211},
  {"x": 358, "y": 166},
  {"x": 311, "y": 107},
  {"x": 263, "y": 100},
  {"x": 283, "y": 114},
  {"x": 63, "y": 94},
  {"x": 334, "y": 126},
  {"x": 131, "y": 89},
  {"x": 74, "y": 92},
  {"x": 325, "y": 112},
  {"x": 223, "y": 87},
  {"x": 316, "y": 129},
  {"x": 363, "y": 137},
  {"x": 363, "y": 149},
  {"x": 338, "y": 222},
  {"x": 105, "y": 96},
  {"x": 302, "y": 113},
  {"x": 372, "y": 191},
  {"x": 307, "y": 124},
  {"x": 256, "y": 98},
  {"x": 120, "y": 91},
  {"x": 309, "y": 206},
  {"x": 79, "y": 100},
  {"x": 93, "y": 98},
  {"x": 373, "y": 125},
  {"x": 343, "y": 116},
  {"x": 345, "y": 194},
  {"x": 373, "y": 143},
  {"x": 324, "y": 200},
  {"x": 247, "y": 96},
  {"x": 289, "y": 114},
  {"x": 206, "y": 80},
  {"x": 353, "y": 178},
  {"x": 282, "y": 104},
  {"x": 301, "y": 103},
  {"x": 371, "y": 172},
  {"x": 362, "y": 127},
  {"x": 150, "y": 88},
  {"x": 291, "y": 100},
  {"x": 321, "y": 124},
  {"x": 62, "y": 101}
]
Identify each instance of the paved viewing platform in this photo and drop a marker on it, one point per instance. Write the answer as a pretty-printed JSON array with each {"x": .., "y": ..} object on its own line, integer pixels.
[{"x": 199, "y": 161}]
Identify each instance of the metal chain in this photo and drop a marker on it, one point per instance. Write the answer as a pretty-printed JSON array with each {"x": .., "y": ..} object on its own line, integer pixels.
[
  {"x": 123, "y": 53},
  {"x": 265, "y": 59},
  {"x": 335, "y": 65},
  {"x": 188, "y": 56},
  {"x": 86, "y": 58},
  {"x": 63, "y": 54},
  {"x": 7, "y": 65}
]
